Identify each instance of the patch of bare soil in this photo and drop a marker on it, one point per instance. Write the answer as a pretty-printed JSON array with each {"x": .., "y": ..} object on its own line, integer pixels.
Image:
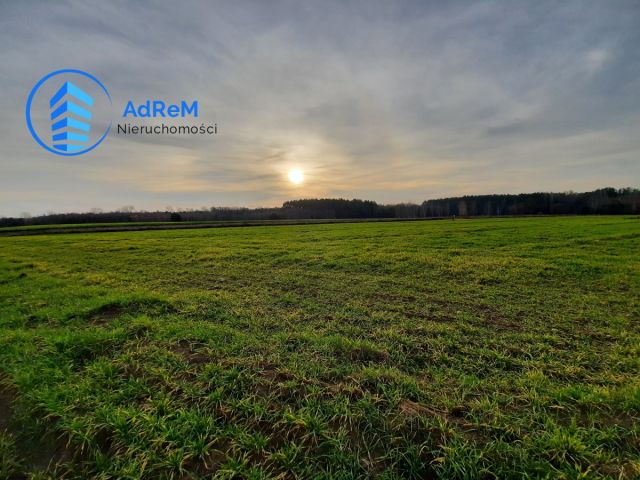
[
  {"x": 36, "y": 455},
  {"x": 106, "y": 314}
]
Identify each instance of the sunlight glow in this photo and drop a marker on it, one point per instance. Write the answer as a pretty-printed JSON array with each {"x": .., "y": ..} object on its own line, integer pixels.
[{"x": 296, "y": 176}]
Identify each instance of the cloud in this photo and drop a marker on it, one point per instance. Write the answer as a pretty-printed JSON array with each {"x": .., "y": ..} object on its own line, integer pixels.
[{"x": 382, "y": 100}]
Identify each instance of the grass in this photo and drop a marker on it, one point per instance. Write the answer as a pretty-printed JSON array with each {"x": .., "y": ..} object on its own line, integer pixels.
[{"x": 489, "y": 348}]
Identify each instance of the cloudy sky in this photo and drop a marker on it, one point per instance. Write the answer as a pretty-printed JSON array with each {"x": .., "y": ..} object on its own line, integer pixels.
[{"x": 390, "y": 101}]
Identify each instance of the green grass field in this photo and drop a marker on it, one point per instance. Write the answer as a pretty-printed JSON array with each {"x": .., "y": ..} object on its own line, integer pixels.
[{"x": 489, "y": 348}]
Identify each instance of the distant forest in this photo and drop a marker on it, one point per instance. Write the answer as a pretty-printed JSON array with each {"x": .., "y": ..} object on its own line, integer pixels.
[{"x": 605, "y": 201}]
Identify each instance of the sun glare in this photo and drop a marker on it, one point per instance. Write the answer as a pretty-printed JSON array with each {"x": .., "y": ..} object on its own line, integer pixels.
[{"x": 296, "y": 176}]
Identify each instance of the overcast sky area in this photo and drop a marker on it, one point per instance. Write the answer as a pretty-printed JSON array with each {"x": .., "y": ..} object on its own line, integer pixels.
[{"x": 390, "y": 101}]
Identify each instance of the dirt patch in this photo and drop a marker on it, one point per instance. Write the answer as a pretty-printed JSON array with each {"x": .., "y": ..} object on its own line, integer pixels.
[
  {"x": 47, "y": 453},
  {"x": 274, "y": 372},
  {"x": 192, "y": 352},
  {"x": 458, "y": 411},
  {"x": 39, "y": 453},
  {"x": 349, "y": 390},
  {"x": 109, "y": 312},
  {"x": 280, "y": 385},
  {"x": 8, "y": 395},
  {"x": 210, "y": 463},
  {"x": 106, "y": 314},
  {"x": 409, "y": 408},
  {"x": 410, "y": 411}
]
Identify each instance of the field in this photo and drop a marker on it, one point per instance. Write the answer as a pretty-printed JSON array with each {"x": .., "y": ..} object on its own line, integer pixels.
[{"x": 489, "y": 348}]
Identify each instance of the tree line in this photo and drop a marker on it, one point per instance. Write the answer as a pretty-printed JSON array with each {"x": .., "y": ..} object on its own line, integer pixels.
[
  {"x": 604, "y": 201},
  {"x": 609, "y": 201}
]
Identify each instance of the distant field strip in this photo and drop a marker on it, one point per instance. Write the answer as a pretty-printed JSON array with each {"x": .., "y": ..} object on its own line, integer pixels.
[
  {"x": 140, "y": 226},
  {"x": 467, "y": 349}
]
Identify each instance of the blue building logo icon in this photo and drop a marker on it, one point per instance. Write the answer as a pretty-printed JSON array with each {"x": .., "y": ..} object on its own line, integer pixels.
[
  {"x": 70, "y": 132},
  {"x": 67, "y": 127}
]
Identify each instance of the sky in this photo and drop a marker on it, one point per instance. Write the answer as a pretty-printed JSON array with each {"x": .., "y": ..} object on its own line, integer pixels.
[{"x": 392, "y": 101}]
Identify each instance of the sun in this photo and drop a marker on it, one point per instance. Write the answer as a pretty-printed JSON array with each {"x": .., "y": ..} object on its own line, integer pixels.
[{"x": 296, "y": 176}]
